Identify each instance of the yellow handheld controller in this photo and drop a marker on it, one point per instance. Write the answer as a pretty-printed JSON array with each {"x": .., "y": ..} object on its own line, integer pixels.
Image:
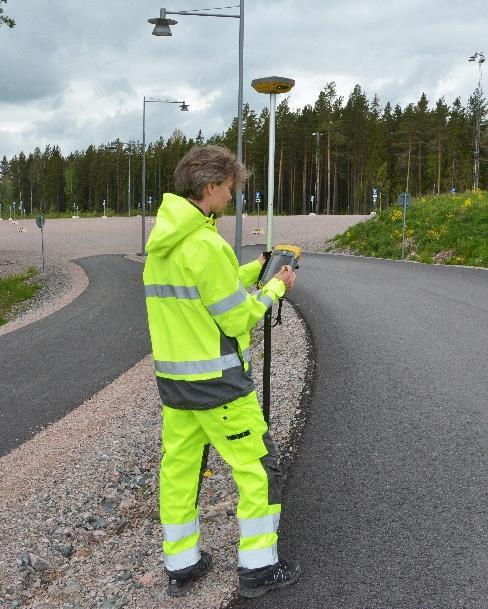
[{"x": 280, "y": 256}]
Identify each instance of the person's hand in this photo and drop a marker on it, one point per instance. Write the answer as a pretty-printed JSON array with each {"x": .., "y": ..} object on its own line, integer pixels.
[
  {"x": 287, "y": 276},
  {"x": 261, "y": 259}
]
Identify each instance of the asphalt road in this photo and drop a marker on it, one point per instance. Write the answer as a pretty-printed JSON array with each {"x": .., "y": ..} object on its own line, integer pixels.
[
  {"x": 50, "y": 367},
  {"x": 387, "y": 502}
]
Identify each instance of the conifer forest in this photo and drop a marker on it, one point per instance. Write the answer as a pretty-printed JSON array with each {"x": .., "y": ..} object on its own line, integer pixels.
[{"x": 329, "y": 157}]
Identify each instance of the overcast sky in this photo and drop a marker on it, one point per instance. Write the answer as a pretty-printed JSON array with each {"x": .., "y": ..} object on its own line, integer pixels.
[{"x": 74, "y": 73}]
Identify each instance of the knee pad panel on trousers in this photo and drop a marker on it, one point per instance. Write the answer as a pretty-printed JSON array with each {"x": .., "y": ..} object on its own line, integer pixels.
[
  {"x": 272, "y": 468},
  {"x": 203, "y": 467}
]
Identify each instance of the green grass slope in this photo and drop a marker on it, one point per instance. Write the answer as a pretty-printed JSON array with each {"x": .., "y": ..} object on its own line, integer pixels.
[
  {"x": 15, "y": 289},
  {"x": 447, "y": 229}
]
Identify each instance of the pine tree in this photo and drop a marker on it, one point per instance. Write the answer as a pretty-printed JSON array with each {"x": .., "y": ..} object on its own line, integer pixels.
[{"x": 4, "y": 19}]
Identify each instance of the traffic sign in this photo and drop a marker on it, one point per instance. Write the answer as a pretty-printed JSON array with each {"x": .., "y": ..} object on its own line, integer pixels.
[
  {"x": 40, "y": 221},
  {"x": 404, "y": 199}
]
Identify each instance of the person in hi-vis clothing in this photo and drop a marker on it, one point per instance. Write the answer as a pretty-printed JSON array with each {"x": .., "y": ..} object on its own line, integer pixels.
[{"x": 200, "y": 315}]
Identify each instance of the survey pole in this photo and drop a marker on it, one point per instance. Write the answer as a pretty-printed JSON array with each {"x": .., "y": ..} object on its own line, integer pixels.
[{"x": 270, "y": 85}]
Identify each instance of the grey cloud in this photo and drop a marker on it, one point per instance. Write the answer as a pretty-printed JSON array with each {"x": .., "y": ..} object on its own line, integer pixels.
[{"x": 404, "y": 45}]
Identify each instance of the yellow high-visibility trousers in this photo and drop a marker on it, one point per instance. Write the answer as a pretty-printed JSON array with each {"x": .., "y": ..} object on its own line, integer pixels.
[{"x": 239, "y": 433}]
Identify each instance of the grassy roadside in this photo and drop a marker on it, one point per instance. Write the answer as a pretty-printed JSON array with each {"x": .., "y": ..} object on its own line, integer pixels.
[
  {"x": 447, "y": 229},
  {"x": 15, "y": 289}
]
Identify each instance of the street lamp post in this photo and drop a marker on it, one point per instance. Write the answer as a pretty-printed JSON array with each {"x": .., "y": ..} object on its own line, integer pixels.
[
  {"x": 477, "y": 121},
  {"x": 162, "y": 28},
  {"x": 271, "y": 85},
  {"x": 150, "y": 100}
]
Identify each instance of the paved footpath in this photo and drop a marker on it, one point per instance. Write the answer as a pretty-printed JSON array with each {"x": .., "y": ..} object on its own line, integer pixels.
[
  {"x": 387, "y": 503},
  {"x": 53, "y": 365}
]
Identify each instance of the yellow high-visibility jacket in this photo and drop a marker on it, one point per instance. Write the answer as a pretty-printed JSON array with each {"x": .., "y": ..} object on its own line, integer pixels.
[{"x": 199, "y": 310}]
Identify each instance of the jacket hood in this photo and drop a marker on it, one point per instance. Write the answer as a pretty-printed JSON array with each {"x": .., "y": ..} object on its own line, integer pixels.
[{"x": 177, "y": 218}]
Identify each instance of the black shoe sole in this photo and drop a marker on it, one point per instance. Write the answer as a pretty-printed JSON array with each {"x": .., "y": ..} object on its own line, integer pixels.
[
  {"x": 175, "y": 591},
  {"x": 259, "y": 591}
]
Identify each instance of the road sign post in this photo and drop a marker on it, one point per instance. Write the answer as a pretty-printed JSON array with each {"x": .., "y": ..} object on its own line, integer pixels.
[
  {"x": 258, "y": 230},
  {"x": 375, "y": 198},
  {"x": 40, "y": 221},
  {"x": 404, "y": 199}
]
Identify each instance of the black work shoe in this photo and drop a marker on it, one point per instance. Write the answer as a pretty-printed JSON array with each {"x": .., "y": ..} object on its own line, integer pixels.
[
  {"x": 256, "y": 582},
  {"x": 182, "y": 580}
]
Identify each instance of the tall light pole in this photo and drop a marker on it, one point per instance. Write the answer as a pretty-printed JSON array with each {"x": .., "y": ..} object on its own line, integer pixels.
[
  {"x": 150, "y": 100},
  {"x": 271, "y": 85},
  {"x": 317, "y": 169},
  {"x": 162, "y": 28},
  {"x": 477, "y": 121}
]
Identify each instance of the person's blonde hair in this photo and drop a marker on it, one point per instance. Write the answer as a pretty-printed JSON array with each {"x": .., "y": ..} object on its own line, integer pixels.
[{"x": 204, "y": 165}]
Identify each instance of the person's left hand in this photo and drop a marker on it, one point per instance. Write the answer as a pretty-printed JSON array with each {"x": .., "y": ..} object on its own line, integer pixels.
[{"x": 262, "y": 259}]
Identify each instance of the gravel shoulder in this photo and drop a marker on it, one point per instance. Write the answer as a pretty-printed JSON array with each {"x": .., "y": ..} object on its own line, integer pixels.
[{"x": 78, "y": 503}]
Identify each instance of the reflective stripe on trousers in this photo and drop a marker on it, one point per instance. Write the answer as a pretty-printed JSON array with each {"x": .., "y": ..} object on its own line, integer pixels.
[
  {"x": 252, "y": 527},
  {"x": 187, "y": 558},
  {"x": 258, "y": 526},
  {"x": 174, "y": 536},
  {"x": 256, "y": 559},
  {"x": 176, "y": 532}
]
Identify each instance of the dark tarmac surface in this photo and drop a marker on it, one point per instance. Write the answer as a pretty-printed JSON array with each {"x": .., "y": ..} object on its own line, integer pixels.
[
  {"x": 51, "y": 366},
  {"x": 387, "y": 502}
]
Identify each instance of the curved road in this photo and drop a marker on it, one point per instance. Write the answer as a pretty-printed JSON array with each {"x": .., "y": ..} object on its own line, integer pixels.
[
  {"x": 51, "y": 366},
  {"x": 387, "y": 502}
]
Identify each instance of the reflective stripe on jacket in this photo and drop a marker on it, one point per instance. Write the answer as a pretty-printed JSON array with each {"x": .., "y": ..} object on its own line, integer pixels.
[{"x": 199, "y": 310}]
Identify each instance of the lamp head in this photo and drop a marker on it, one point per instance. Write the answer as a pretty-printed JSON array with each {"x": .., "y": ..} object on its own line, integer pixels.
[
  {"x": 184, "y": 107},
  {"x": 161, "y": 24}
]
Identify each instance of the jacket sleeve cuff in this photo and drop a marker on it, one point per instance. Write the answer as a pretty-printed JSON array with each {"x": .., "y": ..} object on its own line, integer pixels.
[{"x": 275, "y": 288}]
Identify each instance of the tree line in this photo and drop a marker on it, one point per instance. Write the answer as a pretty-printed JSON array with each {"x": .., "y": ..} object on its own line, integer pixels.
[{"x": 329, "y": 157}]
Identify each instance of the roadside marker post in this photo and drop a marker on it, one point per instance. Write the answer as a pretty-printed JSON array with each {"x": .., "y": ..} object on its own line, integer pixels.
[
  {"x": 40, "y": 221},
  {"x": 257, "y": 230},
  {"x": 404, "y": 199}
]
